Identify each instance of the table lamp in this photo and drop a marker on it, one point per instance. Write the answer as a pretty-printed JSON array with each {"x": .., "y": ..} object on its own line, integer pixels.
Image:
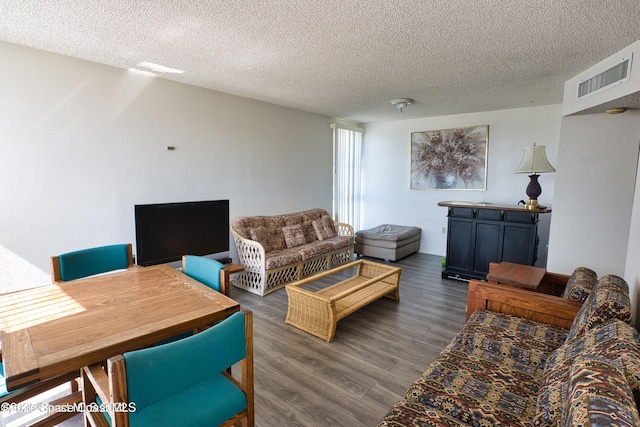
[{"x": 534, "y": 161}]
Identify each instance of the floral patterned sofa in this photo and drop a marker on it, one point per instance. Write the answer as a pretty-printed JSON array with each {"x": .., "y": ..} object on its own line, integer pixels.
[
  {"x": 279, "y": 249},
  {"x": 504, "y": 369}
]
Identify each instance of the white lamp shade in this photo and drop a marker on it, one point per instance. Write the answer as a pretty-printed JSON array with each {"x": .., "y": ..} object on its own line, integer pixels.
[{"x": 534, "y": 161}]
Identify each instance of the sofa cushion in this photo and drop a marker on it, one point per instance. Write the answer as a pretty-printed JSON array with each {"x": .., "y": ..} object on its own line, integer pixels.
[
  {"x": 598, "y": 395},
  {"x": 275, "y": 223},
  {"x": 295, "y": 220},
  {"x": 390, "y": 232},
  {"x": 490, "y": 371},
  {"x": 243, "y": 225},
  {"x": 272, "y": 225},
  {"x": 275, "y": 238},
  {"x": 329, "y": 226},
  {"x": 631, "y": 364},
  {"x": 614, "y": 335},
  {"x": 338, "y": 242},
  {"x": 614, "y": 340},
  {"x": 323, "y": 228},
  {"x": 281, "y": 258},
  {"x": 321, "y": 232},
  {"x": 388, "y": 244},
  {"x": 313, "y": 249},
  {"x": 259, "y": 235},
  {"x": 287, "y": 256},
  {"x": 408, "y": 412},
  {"x": 580, "y": 284},
  {"x": 608, "y": 300},
  {"x": 304, "y": 219},
  {"x": 293, "y": 235}
]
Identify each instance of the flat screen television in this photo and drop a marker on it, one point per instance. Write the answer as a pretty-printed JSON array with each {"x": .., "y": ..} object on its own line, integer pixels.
[{"x": 166, "y": 231}]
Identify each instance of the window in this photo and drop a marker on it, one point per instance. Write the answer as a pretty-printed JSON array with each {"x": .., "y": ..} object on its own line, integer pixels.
[{"x": 347, "y": 148}]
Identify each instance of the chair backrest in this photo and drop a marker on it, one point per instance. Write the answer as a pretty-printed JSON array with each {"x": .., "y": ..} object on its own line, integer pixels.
[
  {"x": 157, "y": 373},
  {"x": 87, "y": 262},
  {"x": 193, "y": 368},
  {"x": 204, "y": 270}
]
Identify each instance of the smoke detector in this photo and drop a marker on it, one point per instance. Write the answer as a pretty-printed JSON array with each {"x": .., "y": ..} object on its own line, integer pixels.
[{"x": 400, "y": 103}]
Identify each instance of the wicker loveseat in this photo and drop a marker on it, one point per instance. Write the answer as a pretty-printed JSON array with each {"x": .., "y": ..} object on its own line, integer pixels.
[
  {"x": 275, "y": 250},
  {"x": 506, "y": 369}
]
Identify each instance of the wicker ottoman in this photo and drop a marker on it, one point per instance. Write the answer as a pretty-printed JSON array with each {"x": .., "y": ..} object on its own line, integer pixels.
[{"x": 387, "y": 241}]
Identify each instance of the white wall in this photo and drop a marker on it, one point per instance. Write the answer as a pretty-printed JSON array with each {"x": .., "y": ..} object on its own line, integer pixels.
[
  {"x": 595, "y": 186},
  {"x": 81, "y": 143},
  {"x": 387, "y": 197},
  {"x": 632, "y": 267}
]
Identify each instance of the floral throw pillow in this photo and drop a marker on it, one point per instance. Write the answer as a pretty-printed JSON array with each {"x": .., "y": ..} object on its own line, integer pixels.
[
  {"x": 318, "y": 227},
  {"x": 328, "y": 226},
  {"x": 259, "y": 235},
  {"x": 294, "y": 236}
]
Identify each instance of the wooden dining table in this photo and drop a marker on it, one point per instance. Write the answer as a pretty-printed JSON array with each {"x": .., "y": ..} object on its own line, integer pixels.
[{"x": 55, "y": 329}]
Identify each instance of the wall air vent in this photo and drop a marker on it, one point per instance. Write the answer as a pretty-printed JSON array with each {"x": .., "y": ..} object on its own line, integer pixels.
[
  {"x": 615, "y": 75},
  {"x": 612, "y": 82}
]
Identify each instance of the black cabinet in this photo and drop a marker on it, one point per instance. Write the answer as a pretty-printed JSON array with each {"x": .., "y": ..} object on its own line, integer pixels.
[{"x": 482, "y": 233}]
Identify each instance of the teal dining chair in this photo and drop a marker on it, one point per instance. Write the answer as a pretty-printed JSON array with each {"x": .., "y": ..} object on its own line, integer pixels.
[
  {"x": 88, "y": 262},
  {"x": 207, "y": 271},
  {"x": 182, "y": 383}
]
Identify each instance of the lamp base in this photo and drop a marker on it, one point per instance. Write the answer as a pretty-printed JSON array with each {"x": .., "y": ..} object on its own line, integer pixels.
[
  {"x": 533, "y": 191},
  {"x": 532, "y": 204}
]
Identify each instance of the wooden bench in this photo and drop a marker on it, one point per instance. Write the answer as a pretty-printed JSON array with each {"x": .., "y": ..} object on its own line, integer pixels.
[{"x": 318, "y": 312}]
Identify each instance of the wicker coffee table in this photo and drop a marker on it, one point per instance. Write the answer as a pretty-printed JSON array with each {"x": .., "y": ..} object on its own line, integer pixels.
[{"x": 318, "y": 312}]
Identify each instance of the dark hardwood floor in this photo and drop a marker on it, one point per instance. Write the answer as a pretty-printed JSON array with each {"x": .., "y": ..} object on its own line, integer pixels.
[{"x": 378, "y": 351}]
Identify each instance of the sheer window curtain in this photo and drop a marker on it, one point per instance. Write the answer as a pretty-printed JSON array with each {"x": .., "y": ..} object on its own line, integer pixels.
[{"x": 347, "y": 148}]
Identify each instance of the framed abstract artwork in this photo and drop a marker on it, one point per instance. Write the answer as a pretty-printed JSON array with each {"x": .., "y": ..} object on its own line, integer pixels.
[{"x": 450, "y": 159}]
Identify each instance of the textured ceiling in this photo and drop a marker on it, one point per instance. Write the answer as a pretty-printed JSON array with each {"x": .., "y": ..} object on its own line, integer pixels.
[{"x": 343, "y": 58}]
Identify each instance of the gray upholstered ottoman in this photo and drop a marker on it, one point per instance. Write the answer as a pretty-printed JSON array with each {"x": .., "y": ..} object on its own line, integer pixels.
[{"x": 388, "y": 241}]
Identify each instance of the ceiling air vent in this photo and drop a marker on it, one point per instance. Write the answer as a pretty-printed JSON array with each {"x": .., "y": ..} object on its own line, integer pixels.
[{"x": 615, "y": 75}]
